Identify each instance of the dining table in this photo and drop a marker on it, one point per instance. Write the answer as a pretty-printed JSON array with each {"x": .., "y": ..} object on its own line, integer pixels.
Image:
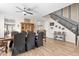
[{"x": 6, "y": 40}]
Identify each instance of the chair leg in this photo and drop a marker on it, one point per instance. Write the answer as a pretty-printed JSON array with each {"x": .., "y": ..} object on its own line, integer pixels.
[
  {"x": 6, "y": 49},
  {"x": 15, "y": 52},
  {"x": 45, "y": 39}
]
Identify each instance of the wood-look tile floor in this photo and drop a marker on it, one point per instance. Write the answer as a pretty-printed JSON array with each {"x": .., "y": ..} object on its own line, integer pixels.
[{"x": 52, "y": 48}]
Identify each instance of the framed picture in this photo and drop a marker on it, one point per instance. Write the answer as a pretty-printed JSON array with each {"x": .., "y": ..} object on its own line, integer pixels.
[
  {"x": 63, "y": 28},
  {"x": 52, "y": 24},
  {"x": 59, "y": 27},
  {"x": 55, "y": 25}
]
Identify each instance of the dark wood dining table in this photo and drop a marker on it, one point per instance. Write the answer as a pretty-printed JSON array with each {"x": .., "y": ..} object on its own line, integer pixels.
[{"x": 6, "y": 40}]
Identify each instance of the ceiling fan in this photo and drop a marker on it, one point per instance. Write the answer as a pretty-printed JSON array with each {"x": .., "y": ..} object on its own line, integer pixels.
[{"x": 25, "y": 10}]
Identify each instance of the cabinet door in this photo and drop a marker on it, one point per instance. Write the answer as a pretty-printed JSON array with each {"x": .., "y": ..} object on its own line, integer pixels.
[
  {"x": 27, "y": 26},
  {"x": 32, "y": 27},
  {"x": 22, "y": 27}
]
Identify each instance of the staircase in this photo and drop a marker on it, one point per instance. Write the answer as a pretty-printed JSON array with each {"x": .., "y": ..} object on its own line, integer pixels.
[{"x": 68, "y": 23}]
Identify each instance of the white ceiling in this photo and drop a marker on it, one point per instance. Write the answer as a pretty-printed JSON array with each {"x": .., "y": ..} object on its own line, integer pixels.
[{"x": 42, "y": 9}]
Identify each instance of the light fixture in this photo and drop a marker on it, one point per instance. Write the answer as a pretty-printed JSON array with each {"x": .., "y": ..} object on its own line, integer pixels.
[{"x": 24, "y": 12}]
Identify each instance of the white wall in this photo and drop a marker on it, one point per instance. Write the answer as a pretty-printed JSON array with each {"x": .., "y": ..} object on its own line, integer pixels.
[
  {"x": 1, "y": 27},
  {"x": 18, "y": 24},
  {"x": 70, "y": 37}
]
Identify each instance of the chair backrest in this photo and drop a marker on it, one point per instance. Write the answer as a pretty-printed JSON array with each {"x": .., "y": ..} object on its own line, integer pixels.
[
  {"x": 19, "y": 41},
  {"x": 24, "y": 32},
  {"x": 43, "y": 32},
  {"x": 40, "y": 35},
  {"x": 14, "y": 33},
  {"x": 30, "y": 40},
  {"x": 40, "y": 39},
  {"x": 31, "y": 34}
]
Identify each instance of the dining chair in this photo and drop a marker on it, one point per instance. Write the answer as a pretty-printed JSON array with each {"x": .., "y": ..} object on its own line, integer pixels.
[
  {"x": 43, "y": 33},
  {"x": 30, "y": 41},
  {"x": 12, "y": 35},
  {"x": 19, "y": 44},
  {"x": 39, "y": 39}
]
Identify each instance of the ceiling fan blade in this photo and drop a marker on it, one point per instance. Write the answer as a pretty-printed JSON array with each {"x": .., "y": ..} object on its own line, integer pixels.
[
  {"x": 23, "y": 10},
  {"x": 19, "y": 8},
  {"x": 29, "y": 12},
  {"x": 19, "y": 11}
]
